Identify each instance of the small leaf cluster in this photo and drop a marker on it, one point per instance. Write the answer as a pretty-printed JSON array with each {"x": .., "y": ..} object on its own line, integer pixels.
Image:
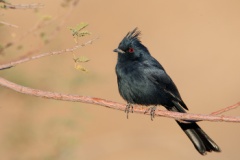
[
  {"x": 78, "y": 31},
  {"x": 79, "y": 60}
]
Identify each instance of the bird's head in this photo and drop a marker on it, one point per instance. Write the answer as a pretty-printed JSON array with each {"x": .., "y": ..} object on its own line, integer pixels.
[{"x": 131, "y": 45}]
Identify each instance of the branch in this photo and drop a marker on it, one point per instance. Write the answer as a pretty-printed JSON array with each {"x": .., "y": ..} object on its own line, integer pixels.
[
  {"x": 114, "y": 105},
  {"x": 20, "y": 6},
  {"x": 14, "y": 63},
  {"x": 40, "y": 24},
  {"x": 8, "y": 24},
  {"x": 226, "y": 109}
]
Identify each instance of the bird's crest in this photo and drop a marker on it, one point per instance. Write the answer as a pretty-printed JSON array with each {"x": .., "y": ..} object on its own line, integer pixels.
[{"x": 133, "y": 35}]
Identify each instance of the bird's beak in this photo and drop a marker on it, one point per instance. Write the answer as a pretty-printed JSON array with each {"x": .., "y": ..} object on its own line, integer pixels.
[{"x": 118, "y": 50}]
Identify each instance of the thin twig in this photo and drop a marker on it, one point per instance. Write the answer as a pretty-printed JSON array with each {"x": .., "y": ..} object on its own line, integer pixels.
[
  {"x": 114, "y": 105},
  {"x": 40, "y": 24},
  {"x": 14, "y": 63},
  {"x": 22, "y": 6},
  {"x": 8, "y": 24},
  {"x": 226, "y": 109},
  {"x": 37, "y": 26},
  {"x": 63, "y": 21}
]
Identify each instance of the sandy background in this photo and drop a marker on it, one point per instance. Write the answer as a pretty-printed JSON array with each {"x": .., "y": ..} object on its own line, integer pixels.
[{"x": 196, "y": 41}]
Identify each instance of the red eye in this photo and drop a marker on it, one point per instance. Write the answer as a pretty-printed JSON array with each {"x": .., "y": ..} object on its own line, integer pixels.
[{"x": 130, "y": 50}]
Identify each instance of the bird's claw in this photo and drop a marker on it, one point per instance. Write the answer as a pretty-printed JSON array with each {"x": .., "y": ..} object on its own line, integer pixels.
[
  {"x": 152, "y": 111},
  {"x": 129, "y": 108}
]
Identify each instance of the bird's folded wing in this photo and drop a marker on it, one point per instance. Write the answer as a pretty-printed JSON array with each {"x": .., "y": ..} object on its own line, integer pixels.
[{"x": 162, "y": 80}]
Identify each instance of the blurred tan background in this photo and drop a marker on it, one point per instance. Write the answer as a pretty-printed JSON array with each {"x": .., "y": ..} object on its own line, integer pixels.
[{"x": 198, "y": 43}]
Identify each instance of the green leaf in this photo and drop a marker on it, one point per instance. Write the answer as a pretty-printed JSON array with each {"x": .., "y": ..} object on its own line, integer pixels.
[
  {"x": 81, "y": 68},
  {"x": 83, "y": 33},
  {"x": 77, "y": 31},
  {"x": 81, "y": 26},
  {"x": 44, "y": 37},
  {"x": 46, "y": 17},
  {"x": 82, "y": 59}
]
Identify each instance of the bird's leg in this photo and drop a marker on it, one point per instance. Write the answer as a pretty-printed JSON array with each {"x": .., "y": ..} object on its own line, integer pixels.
[
  {"x": 129, "y": 107},
  {"x": 152, "y": 111}
]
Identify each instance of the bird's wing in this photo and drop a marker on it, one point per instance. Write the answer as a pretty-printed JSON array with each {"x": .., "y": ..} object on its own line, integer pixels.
[{"x": 157, "y": 75}]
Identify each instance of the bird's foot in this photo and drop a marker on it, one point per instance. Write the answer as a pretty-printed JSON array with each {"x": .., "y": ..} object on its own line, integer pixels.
[
  {"x": 152, "y": 111},
  {"x": 129, "y": 108}
]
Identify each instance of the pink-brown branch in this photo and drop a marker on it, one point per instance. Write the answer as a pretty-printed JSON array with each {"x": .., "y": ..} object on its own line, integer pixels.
[
  {"x": 114, "y": 105},
  {"x": 21, "y": 6},
  {"x": 226, "y": 109},
  {"x": 8, "y": 24}
]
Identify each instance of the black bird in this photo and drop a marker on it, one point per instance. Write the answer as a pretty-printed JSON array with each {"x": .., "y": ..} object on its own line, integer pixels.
[{"x": 142, "y": 80}]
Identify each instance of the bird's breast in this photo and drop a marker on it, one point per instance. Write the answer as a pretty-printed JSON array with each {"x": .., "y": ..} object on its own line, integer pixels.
[{"x": 135, "y": 87}]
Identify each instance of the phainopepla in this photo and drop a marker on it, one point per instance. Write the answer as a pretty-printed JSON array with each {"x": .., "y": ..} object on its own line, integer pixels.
[{"x": 142, "y": 80}]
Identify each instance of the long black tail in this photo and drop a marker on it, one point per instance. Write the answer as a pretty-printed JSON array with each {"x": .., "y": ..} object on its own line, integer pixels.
[{"x": 201, "y": 141}]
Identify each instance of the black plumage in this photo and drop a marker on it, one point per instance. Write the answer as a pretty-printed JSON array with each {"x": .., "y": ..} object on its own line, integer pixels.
[{"x": 142, "y": 80}]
